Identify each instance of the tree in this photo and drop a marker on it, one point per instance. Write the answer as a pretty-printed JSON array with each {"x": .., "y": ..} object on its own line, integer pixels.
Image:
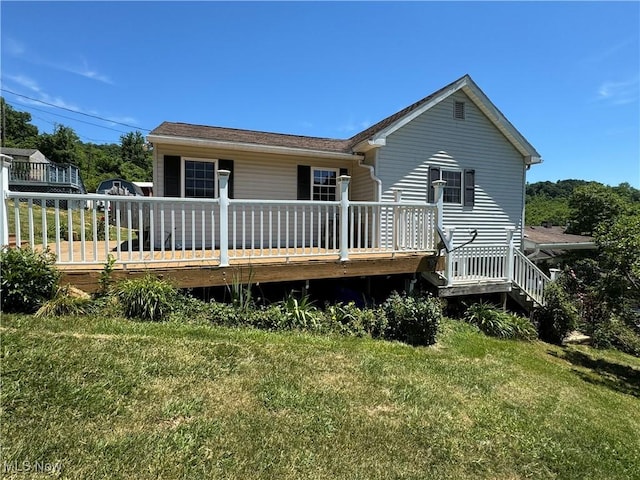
[
  {"x": 16, "y": 130},
  {"x": 133, "y": 151},
  {"x": 592, "y": 205},
  {"x": 62, "y": 146}
]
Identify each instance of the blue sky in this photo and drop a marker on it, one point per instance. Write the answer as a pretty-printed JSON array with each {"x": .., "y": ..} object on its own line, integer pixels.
[{"x": 567, "y": 75}]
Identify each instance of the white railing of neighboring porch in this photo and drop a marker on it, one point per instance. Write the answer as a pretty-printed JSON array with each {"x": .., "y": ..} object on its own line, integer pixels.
[{"x": 137, "y": 229}]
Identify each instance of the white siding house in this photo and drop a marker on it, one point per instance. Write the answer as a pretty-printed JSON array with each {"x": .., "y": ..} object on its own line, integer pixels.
[{"x": 456, "y": 134}]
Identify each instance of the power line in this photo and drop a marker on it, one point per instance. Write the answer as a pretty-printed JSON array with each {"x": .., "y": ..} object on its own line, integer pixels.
[
  {"x": 68, "y": 118},
  {"x": 74, "y": 111}
]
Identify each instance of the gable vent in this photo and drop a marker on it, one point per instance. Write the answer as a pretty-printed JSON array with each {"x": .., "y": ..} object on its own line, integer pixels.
[{"x": 458, "y": 110}]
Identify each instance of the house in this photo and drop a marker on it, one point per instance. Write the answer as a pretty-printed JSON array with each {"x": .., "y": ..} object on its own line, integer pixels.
[
  {"x": 31, "y": 171},
  {"x": 436, "y": 189},
  {"x": 455, "y": 134},
  {"x": 145, "y": 187}
]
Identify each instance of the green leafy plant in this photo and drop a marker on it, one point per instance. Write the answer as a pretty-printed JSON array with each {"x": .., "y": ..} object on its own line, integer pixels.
[
  {"x": 558, "y": 317},
  {"x": 299, "y": 313},
  {"x": 29, "y": 278},
  {"x": 412, "y": 319},
  {"x": 146, "y": 298},
  {"x": 496, "y": 323},
  {"x": 241, "y": 292},
  {"x": 105, "y": 281},
  {"x": 65, "y": 302}
]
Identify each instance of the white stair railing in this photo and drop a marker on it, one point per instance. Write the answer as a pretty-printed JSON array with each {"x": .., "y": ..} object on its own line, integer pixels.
[{"x": 529, "y": 278}]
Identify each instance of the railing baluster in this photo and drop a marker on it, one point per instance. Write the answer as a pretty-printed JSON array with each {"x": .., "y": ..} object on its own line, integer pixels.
[{"x": 31, "y": 229}]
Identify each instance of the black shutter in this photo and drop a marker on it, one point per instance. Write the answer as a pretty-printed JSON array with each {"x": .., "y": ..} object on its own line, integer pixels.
[
  {"x": 434, "y": 174},
  {"x": 227, "y": 165},
  {"x": 304, "y": 182},
  {"x": 344, "y": 171},
  {"x": 172, "y": 182},
  {"x": 469, "y": 188}
]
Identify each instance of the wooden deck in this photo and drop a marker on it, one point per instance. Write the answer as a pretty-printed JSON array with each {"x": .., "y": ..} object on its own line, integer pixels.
[{"x": 200, "y": 268}]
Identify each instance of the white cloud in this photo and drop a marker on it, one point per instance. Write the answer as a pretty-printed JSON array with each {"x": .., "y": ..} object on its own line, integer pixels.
[
  {"x": 620, "y": 92},
  {"x": 16, "y": 49}
]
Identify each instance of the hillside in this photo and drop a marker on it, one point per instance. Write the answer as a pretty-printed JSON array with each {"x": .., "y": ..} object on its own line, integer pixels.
[{"x": 110, "y": 398}]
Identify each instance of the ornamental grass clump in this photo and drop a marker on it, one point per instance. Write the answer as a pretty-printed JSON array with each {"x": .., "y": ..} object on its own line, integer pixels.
[
  {"x": 146, "y": 298},
  {"x": 496, "y": 323}
]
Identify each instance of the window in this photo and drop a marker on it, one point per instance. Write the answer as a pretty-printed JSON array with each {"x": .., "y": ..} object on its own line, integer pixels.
[
  {"x": 324, "y": 183},
  {"x": 453, "y": 189},
  {"x": 199, "y": 178},
  {"x": 458, "y": 110},
  {"x": 456, "y": 184}
]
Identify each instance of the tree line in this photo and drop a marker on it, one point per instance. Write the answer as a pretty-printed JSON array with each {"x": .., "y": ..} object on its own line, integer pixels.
[{"x": 131, "y": 159}]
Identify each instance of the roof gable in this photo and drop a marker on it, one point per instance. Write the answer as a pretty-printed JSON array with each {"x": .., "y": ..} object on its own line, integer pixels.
[{"x": 376, "y": 134}]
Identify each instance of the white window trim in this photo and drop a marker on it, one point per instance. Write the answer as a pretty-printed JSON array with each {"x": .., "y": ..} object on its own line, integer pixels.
[
  {"x": 461, "y": 173},
  {"x": 325, "y": 169},
  {"x": 183, "y": 161}
]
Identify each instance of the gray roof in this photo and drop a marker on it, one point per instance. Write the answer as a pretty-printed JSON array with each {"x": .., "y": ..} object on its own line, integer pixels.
[
  {"x": 22, "y": 152},
  {"x": 186, "y": 130}
]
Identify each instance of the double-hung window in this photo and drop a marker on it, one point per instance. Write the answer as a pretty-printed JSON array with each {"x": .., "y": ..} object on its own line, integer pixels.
[
  {"x": 324, "y": 184},
  {"x": 460, "y": 186},
  {"x": 199, "y": 178},
  {"x": 453, "y": 190}
]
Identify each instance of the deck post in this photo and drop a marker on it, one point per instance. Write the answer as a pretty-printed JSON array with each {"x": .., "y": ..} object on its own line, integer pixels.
[
  {"x": 343, "y": 182},
  {"x": 448, "y": 268},
  {"x": 223, "y": 186},
  {"x": 438, "y": 198},
  {"x": 397, "y": 198},
  {"x": 5, "y": 165},
  {"x": 510, "y": 253}
]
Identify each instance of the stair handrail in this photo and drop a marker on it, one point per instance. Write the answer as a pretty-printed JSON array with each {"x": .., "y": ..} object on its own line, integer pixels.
[{"x": 529, "y": 278}]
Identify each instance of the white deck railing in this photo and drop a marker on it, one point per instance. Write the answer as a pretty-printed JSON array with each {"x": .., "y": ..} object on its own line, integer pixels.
[
  {"x": 473, "y": 264},
  {"x": 86, "y": 229}
]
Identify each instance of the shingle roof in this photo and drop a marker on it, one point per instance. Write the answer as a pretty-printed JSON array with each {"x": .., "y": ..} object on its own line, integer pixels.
[
  {"x": 25, "y": 152},
  {"x": 547, "y": 235},
  {"x": 233, "y": 135},
  {"x": 252, "y": 137}
]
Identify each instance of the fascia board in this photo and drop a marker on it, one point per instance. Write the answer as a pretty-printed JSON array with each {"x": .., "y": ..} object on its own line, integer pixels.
[{"x": 247, "y": 147}]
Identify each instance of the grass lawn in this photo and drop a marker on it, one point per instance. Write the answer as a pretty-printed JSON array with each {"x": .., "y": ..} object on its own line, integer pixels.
[{"x": 110, "y": 398}]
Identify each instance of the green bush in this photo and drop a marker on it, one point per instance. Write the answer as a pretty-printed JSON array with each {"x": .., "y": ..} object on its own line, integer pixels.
[
  {"x": 28, "y": 279},
  {"x": 615, "y": 333},
  {"x": 146, "y": 298},
  {"x": 496, "y": 323},
  {"x": 412, "y": 319},
  {"x": 558, "y": 317}
]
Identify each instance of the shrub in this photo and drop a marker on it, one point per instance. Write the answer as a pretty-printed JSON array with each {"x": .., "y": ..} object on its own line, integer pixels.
[
  {"x": 29, "y": 278},
  {"x": 496, "y": 323},
  {"x": 558, "y": 317},
  {"x": 489, "y": 320},
  {"x": 65, "y": 302},
  {"x": 412, "y": 319},
  {"x": 299, "y": 313},
  {"x": 615, "y": 333},
  {"x": 146, "y": 298}
]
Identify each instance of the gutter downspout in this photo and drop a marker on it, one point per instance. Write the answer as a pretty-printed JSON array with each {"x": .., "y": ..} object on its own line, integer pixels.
[{"x": 372, "y": 174}]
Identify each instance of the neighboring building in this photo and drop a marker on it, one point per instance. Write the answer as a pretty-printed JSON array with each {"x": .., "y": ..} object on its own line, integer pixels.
[
  {"x": 31, "y": 171},
  {"x": 146, "y": 187},
  {"x": 119, "y": 186},
  {"x": 456, "y": 134},
  {"x": 549, "y": 243}
]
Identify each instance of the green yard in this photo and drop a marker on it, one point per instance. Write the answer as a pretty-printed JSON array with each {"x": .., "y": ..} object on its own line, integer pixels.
[{"x": 111, "y": 398}]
